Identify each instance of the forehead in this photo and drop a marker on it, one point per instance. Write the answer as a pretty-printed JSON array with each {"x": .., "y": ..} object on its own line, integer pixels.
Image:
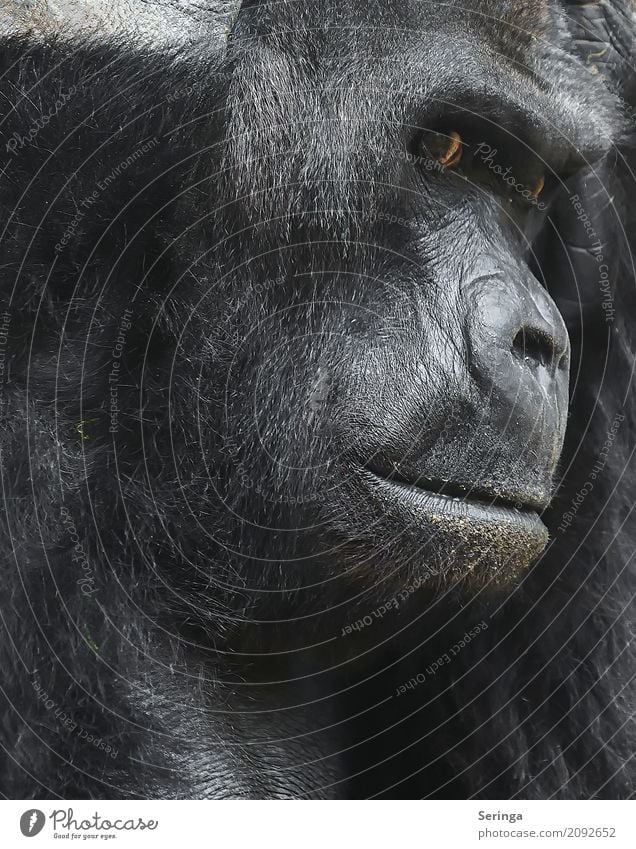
[
  {"x": 181, "y": 21},
  {"x": 366, "y": 29},
  {"x": 156, "y": 22}
]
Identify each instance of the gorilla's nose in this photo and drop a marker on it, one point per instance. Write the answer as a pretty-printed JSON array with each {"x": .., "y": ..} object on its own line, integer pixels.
[{"x": 519, "y": 351}]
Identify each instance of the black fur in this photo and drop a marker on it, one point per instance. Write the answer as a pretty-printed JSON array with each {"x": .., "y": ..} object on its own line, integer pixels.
[{"x": 182, "y": 559}]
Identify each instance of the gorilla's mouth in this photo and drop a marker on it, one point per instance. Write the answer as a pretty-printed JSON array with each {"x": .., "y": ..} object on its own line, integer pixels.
[{"x": 454, "y": 501}]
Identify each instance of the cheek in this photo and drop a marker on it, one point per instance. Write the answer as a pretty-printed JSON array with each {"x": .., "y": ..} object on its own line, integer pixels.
[
  {"x": 397, "y": 380},
  {"x": 343, "y": 376},
  {"x": 280, "y": 391}
]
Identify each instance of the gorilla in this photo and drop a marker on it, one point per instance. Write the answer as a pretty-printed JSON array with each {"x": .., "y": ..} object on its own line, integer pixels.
[{"x": 316, "y": 360}]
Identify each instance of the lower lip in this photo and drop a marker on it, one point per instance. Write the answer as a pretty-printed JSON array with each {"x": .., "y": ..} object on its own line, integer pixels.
[{"x": 441, "y": 507}]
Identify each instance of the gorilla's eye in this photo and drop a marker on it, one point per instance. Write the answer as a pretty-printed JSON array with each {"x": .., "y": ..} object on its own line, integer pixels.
[
  {"x": 537, "y": 188},
  {"x": 445, "y": 148}
]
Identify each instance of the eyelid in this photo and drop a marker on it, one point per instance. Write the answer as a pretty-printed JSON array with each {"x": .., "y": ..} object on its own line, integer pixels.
[{"x": 523, "y": 177}]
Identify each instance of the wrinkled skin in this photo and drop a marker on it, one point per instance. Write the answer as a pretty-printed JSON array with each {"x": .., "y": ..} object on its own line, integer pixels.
[{"x": 347, "y": 378}]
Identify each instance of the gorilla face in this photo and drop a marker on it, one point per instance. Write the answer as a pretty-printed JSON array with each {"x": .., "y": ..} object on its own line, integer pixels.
[
  {"x": 385, "y": 372},
  {"x": 403, "y": 373}
]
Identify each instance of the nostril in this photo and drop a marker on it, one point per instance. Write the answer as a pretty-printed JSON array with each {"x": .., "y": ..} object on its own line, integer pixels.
[{"x": 537, "y": 348}]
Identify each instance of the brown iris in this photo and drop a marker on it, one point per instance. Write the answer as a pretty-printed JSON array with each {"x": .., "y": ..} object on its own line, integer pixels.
[
  {"x": 444, "y": 148},
  {"x": 536, "y": 190}
]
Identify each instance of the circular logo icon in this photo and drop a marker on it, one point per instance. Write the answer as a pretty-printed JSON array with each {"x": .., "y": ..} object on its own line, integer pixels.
[{"x": 32, "y": 822}]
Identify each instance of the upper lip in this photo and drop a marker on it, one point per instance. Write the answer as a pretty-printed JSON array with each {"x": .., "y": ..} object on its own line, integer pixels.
[{"x": 476, "y": 493}]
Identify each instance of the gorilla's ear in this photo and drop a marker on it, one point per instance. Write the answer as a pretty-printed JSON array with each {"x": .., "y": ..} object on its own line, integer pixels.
[
  {"x": 604, "y": 34},
  {"x": 160, "y": 23}
]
